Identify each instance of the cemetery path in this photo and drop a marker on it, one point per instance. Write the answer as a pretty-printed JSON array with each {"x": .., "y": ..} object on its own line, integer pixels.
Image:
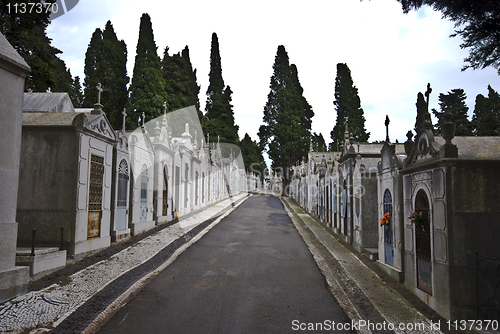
[{"x": 252, "y": 273}]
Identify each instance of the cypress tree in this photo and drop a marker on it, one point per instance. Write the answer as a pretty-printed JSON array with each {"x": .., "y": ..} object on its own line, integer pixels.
[
  {"x": 486, "y": 117},
  {"x": 147, "y": 91},
  {"x": 106, "y": 63},
  {"x": 287, "y": 116},
  {"x": 454, "y": 101},
  {"x": 318, "y": 142},
  {"x": 181, "y": 85},
  {"x": 76, "y": 93},
  {"x": 252, "y": 156},
  {"x": 219, "y": 110},
  {"x": 92, "y": 69},
  {"x": 348, "y": 105}
]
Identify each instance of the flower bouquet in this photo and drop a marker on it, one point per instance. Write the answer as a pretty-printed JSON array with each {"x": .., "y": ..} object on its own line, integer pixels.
[
  {"x": 384, "y": 221},
  {"x": 417, "y": 218}
]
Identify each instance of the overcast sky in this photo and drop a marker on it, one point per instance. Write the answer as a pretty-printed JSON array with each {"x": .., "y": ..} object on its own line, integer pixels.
[{"x": 392, "y": 56}]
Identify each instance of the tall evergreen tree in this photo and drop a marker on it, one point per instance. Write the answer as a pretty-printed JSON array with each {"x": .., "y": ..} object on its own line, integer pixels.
[
  {"x": 181, "y": 84},
  {"x": 106, "y": 63},
  {"x": 252, "y": 156},
  {"x": 348, "y": 106},
  {"x": 219, "y": 110},
  {"x": 318, "y": 142},
  {"x": 26, "y": 32},
  {"x": 147, "y": 91},
  {"x": 486, "y": 117},
  {"x": 454, "y": 102},
  {"x": 287, "y": 117},
  {"x": 76, "y": 93},
  {"x": 92, "y": 69}
]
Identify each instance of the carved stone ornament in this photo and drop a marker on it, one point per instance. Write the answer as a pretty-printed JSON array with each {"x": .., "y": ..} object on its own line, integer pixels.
[
  {"x": 80, "y": 121},
  {"x": 101, "y": 126},
  {"x": 425, "y": 147}
]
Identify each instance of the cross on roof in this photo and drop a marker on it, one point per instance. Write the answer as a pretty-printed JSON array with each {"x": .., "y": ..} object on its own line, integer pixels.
[
  {"x": 99, "y": 91},
  {"x": 143, "y": 117},
  {"x": 427, "y": 93},
  {"x": 124, "y": 113}
]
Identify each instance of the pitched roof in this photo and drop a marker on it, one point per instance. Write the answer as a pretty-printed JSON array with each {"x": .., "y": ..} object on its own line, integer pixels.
[
  {"x": 10, "y": 55},
  {"x": 47, "y": 102},
  {"x": 471, "y": 147}
]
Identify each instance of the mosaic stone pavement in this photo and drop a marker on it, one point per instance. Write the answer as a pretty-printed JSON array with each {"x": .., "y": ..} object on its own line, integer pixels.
[{"x": 46, "y": 308}]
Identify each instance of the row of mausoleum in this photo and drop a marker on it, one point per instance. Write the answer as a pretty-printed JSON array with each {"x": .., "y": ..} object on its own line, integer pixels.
[
  {"x": 439, "y": 197},
  {"x": 84, "y": 184}
]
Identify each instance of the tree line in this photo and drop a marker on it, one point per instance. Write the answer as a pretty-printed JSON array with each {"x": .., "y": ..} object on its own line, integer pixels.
[{"x": 170, "y": 81}]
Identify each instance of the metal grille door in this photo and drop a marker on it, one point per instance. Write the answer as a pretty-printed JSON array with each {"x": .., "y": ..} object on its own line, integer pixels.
[
  {"x": 95, "y": 196},
  {"x": 121, "y": 201},
  {"x": 388, "y": 230}
]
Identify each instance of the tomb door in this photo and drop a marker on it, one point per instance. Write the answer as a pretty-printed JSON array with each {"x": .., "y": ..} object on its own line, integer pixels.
[
  {"x": 344, "y": 208},
  {"x": 327, "y": 204},
  {"x": 335, "y": 223},
  {"x": 95, "y": 196},
  {"x": 121, "y": 201},
  {"x": 177, "y": 187},
  {"x": 423, "y": 243},
  {"x": 144, "y": 194},
  {"x": 164, "y": 207},
  {"x": 197, "y": 175},
  {"x": 186, "y": 174},
  {"x": 388, "y": 230},
  {"x": 202, "y": 187}
]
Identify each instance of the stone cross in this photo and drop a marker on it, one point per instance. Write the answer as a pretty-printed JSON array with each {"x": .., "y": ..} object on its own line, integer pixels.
[
  {"x": 427, "y": 93},
  {"x": 99, "y": 91},
  {"x": 387, "y": 121},
  {"x": 124, "y": 113},
  {"x": 143, "y": 118}
]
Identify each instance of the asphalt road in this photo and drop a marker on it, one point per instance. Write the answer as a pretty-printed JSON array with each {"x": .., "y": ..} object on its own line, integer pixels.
[{"x": 252, "y": 273}]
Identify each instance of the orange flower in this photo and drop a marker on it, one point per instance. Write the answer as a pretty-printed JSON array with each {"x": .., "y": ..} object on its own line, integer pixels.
[{"x": 385, "y": 219}]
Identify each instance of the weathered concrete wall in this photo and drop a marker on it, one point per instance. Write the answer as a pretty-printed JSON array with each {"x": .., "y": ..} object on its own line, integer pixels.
[
  {"x": 13, "y": 70},
  {"x": 47, "y": 186}
]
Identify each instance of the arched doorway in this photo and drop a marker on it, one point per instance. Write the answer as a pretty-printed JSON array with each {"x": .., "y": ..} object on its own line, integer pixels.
[
  {"x": 164, "y": 206},
  {"x": 423, "y": 243},
  {"x": 121, "y": 198},
  {"x": 144, "y": 194},
  {"x": 388, "y": 229}
]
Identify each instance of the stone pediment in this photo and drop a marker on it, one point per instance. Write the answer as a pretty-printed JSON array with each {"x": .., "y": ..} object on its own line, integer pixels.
[
  {"x": 100, "y": 125},
  {"x": 426, "y": 148}
]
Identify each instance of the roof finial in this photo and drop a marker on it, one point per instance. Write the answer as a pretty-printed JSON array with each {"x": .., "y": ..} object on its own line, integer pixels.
[
  {"x": 124, "y": 113},
  {"x": 143, "y": 118}
]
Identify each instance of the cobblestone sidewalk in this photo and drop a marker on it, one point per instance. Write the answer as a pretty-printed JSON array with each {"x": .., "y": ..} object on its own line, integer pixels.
[{"x": 47, "y": 308}]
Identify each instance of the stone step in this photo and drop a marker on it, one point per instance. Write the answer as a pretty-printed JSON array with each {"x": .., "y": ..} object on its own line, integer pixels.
[{"x": 46, "y": 259}]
